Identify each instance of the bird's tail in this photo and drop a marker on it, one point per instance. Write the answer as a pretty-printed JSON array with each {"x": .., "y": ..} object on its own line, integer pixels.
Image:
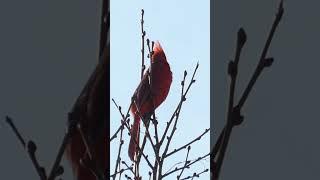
[
  {"x": 135, "y": 131},
  {"x": 75, "y": 151}
]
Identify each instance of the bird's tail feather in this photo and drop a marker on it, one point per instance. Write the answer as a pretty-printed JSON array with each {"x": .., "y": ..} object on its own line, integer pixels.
[{"x": 135, "y": 131}]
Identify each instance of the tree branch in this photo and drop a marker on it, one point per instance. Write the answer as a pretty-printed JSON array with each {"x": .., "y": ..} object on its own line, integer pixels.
[{"x": 234, "y": 112}]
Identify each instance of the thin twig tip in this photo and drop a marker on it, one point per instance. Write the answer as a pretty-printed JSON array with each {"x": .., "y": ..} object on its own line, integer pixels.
[{"x": 242, "y": 37}]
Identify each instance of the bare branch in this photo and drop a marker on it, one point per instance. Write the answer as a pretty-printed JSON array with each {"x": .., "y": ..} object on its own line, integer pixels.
[
  {"x": 188, "y": 165},
  {"x": 31, "y": 147},
  {"x": 188, "y": 144},
  {"x": 234, "y": 116},
  {"x": 143, "y": 34},
  {"x": 185, "y": 164},
  {"x": 177, "y": 113}
]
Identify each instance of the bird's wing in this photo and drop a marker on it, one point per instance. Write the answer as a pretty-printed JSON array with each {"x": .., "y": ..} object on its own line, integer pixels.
[{"x": 142, "y": 93}]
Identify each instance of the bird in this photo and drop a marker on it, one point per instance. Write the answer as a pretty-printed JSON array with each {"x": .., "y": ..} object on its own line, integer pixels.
[
  {"x": 87, "y": 149},
  {"x": 151, "y": 92},
  {"x": 92, "y": 107}
]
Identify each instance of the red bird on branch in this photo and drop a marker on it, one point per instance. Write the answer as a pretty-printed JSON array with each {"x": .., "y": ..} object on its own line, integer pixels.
[
  {"x": 92, "y": 107},
  {"x": 150, "y": 93},
  {"x": 88, "y": 147}
]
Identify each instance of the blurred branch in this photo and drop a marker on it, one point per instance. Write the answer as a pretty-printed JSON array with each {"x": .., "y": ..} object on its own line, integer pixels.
[
  {"x": 234, "y": 116},
  {"x": 31, "y": 148}
]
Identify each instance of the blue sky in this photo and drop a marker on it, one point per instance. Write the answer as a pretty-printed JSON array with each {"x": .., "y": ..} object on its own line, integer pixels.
[{"x": 183, "y": 29}]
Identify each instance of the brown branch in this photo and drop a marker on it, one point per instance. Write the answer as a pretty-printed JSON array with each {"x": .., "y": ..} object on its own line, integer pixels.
[
  {"x": 143, "y": 34},
  {"x": 119, "y": 151},
  {"x": 123, "y": 122},
  {"x": 146, "y": 123},
  {"x": 116, "y": 133},
  {"x": 188, "y": 144},
  {"x": 128, "y": 128},
  {"x": 177, "y": 112},
  {"x": 188, "y": 165},
  {"x": 124, "y": 117},
  {"x": 185, "y": 164},
  {"x": 122, "y": 171},
  {"x": 154, "y": 121},
  {"x": 195, "y": 175},
  {"x": 147, "y": 129}
]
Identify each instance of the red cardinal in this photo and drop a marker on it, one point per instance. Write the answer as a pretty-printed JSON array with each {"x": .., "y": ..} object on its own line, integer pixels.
[
  {"x": 93, "y": 105},
  {"x": 146, "y": 94},
  {"x": 91, "y": 109}
]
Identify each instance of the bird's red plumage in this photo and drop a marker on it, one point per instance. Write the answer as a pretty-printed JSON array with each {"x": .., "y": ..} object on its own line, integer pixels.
[
  {"x": 161, "y": 78},
  {"x": 93, "y": 105}
]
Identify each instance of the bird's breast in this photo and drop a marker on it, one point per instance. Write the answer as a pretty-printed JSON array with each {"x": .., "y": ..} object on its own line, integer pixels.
[{"x": 161, "y": 82}]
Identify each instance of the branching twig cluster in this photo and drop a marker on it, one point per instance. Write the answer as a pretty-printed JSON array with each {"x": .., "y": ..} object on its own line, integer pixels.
[
  {"x": 234, "y": 116},
  {"x": 160, "y": 143}
]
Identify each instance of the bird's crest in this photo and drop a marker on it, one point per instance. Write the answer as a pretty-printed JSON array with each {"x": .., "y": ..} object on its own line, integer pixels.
[{"x": 158, "y": 53}]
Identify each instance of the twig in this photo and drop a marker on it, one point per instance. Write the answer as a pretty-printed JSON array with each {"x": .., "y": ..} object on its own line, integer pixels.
[
  {"x": 129, "y": 167},
  {"x": 156, "y": 147},
  {"x": 263, "y": 62},
  {"x": 234, "y": 113},
  {"x": 146, "y": 122},
  {"x": 116, "y": 133},
  {"x": 119, "y": 151},
  {"x": 188, "y": 144},
  {"x": 233, "y": 69},
  {"x": 177, "y": 112},
  {"x": 196, "y": 175},
  {"x": 176, "y": 115},
  {"x": 31, "y": 147},
  {"x": 15, "y": 130},
  {"x": 185, "y": 164},
  {"x": 188, "y": 165},
  {"x": 55, "y": 167},
  {"x": 154, "y": 120},
  {"x": 121, "y": 171},
  {"x": 123, "y": 122},
  {"x": 147, "y": 129},
  {"x": 143, "y": 34},
  {"x": 128, "y": 128}
]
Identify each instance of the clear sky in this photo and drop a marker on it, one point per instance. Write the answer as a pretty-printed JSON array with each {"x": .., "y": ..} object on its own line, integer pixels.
[{"x": 183, "y": 29}]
